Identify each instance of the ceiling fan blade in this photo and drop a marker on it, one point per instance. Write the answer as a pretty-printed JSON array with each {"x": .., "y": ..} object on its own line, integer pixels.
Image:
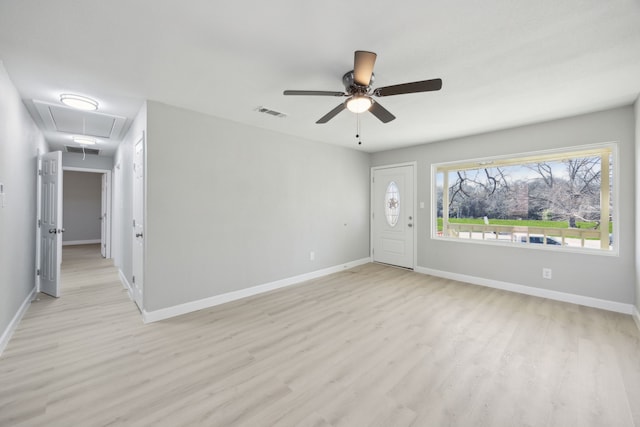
[
  {"x": 422, "y": 86},
  {"x": 381, "y": 113},
  {"x": 363, "y": 67},
  {"x": 331, "y": 114},
  {"x": 313, "y": 92}
]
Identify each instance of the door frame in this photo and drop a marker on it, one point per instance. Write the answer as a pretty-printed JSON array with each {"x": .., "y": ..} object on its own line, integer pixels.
[
  {"x": 137, "y": 289},
  {"x": 415, "y": 203},
  {"x": 38, "y": 219},
  {"x": 108, "y": 173}
]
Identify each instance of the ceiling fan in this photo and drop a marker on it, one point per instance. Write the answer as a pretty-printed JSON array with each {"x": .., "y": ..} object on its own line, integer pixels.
[{"x": 359, "y": 93}]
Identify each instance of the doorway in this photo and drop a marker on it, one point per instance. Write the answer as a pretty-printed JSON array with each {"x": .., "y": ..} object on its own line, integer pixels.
[
  {"x": 87, "y": 208},
  {"x": 50, "y": 228},
  {"x": 393, "y": 216}
]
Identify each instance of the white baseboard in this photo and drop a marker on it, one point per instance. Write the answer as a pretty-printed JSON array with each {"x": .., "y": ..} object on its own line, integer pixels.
[
  {"x": 177, "y": 310},
  {"x": 8, "y": 332},
  {"x": 125, "y": 284},
  {"x": 537, "y": 292},
  {"x": 636, "y": 316},
  {"x": 80, "y": 242}
]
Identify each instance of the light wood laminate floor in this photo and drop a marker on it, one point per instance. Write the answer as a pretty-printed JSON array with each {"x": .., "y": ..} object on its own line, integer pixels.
[{"x": 370, "y": 346}]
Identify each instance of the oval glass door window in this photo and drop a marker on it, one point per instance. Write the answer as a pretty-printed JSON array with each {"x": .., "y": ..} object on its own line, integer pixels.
[{"x": 392, "y": 204}]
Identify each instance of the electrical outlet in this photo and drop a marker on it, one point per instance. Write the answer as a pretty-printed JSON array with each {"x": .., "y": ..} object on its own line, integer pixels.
[
  {"x": 312, "y": 256},
  {"x": 546, "y": 273}
]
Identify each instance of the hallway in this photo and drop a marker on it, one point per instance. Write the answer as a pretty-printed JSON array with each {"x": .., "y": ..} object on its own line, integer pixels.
[{"x": 65, "y": 347}]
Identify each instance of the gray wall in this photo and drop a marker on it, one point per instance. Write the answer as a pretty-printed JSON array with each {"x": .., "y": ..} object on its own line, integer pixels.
[
  {"x": 606, "y": 277},
  {"x": 82, "y": 201},
  {"x": 231, "y": 206},
  {"x": 90, "y": 161},
  {"x": 20, "y": 141}
]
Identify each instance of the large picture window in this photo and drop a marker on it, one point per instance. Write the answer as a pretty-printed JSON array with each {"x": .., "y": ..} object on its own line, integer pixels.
[{"x": 560, "y": 199}]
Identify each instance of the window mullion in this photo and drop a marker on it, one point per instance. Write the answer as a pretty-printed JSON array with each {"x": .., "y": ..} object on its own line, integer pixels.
[
  {"x": 445, "y": 203},
  {"x": 604, "y": 200}
]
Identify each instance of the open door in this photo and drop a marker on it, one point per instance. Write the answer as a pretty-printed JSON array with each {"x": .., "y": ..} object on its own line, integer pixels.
[{"x": 50, "y": 222}]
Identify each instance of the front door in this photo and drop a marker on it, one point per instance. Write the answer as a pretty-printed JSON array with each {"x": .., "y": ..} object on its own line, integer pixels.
[
  {"x": 393, "y": 215},
  {"x": 50, "y": 222}
]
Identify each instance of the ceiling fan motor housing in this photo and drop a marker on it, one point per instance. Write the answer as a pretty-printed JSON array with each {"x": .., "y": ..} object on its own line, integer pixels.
[{"x": 352, "y": 87}]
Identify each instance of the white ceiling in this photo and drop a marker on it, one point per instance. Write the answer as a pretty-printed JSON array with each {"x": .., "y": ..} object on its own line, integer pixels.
[{"x": 503, "y": 62}]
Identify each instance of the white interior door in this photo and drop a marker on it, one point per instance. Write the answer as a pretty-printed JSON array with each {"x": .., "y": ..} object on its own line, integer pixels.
[
  {"x": 103, "y": 217},
  {"x": 393, "y": 215},
  {"x": 50, "y": 222},
  {"x": 138, "y": 222}
]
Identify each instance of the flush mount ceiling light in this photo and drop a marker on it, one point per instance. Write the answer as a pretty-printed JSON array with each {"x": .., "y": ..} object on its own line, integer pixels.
[
  {"x": 84, "y": 140},
  {"x": 79, "y": 102},
  {"x": 359, "y": 103}
]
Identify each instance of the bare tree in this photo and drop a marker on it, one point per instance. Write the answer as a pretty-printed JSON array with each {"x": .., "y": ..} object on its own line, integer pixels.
[
  {"x": 479, "y": 192},
  {"x": 567, "y": 190},
  {"x": 575, "y": 195}
]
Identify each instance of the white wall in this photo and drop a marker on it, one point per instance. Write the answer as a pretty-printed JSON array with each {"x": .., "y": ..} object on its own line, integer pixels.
[
  {"x": 609, "y": 278},
  {"x": 231, "y": 206},
  {"x": 82, "y": 202},
  {"x": 20, "y": 141},
  {"x": 89, "y": 162}
]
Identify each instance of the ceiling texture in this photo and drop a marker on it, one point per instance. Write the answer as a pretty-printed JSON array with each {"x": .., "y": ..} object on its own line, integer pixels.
[{"x": 503, "y": 63}]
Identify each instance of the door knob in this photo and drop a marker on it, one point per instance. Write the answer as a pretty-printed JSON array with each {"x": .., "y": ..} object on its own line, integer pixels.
[
  {"x": 53, "y": 231},
  {"x": 409, "y": 225},
  {"x": 138, "y": 234}
]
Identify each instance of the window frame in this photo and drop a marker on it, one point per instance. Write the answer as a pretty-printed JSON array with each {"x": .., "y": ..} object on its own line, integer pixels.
[{"x": 513, "y": 159}]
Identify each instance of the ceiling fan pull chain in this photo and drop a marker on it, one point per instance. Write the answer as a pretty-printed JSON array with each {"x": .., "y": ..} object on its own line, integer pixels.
[{"x": 358, "y": 128}]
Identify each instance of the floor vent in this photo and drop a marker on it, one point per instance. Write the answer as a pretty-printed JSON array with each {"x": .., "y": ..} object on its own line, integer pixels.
[
  {"x": 80, "y": 150},
  {"x": 271, "y": 112}
]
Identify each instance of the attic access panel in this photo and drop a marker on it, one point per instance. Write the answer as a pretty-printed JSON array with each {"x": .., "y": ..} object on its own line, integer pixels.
[
  {"x": 69, "y": 120},
  {"x": 82, "y": 123}
]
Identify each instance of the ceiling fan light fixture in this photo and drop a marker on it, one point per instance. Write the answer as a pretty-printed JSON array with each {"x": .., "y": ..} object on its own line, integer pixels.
[
  {"x": 84, "y": 140},
  {"x": 359, "y": 103},
  {"x": 79, "y": 102}
]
